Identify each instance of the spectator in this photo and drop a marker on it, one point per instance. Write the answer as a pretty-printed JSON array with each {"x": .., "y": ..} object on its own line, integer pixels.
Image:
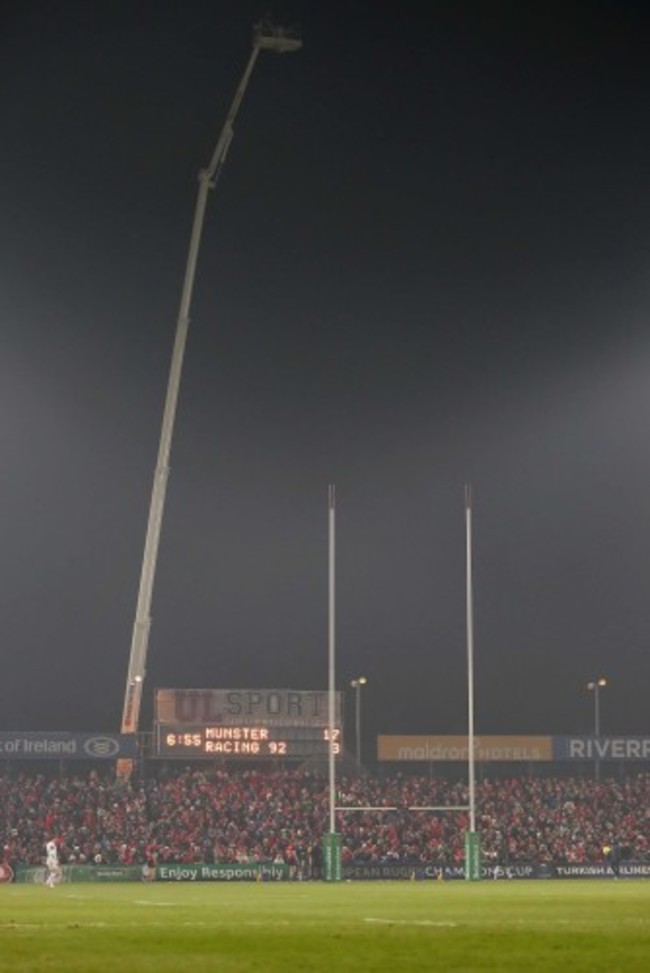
[{"x": 216, "y": 815}]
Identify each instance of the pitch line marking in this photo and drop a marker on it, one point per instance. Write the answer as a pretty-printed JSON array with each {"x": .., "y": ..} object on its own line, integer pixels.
[
  {"x": 411, "y": 922},
  {"x": 148, "y": 902}
]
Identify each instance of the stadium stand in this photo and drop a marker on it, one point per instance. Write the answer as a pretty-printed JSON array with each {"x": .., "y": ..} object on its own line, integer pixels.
[{"x": 239, "y": 816}]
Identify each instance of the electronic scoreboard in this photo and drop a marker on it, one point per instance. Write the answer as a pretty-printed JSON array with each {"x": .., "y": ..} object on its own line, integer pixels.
[
  {"x": 242, "y": 724},
  {"x": 245, "y": 741}
]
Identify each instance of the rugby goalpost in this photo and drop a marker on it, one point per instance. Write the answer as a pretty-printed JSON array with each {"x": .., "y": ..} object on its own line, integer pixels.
[{"x": 332, "y": 865}]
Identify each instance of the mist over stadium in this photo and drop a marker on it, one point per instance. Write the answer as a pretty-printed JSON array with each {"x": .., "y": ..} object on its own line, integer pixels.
[{"x": 324, "y": 398}]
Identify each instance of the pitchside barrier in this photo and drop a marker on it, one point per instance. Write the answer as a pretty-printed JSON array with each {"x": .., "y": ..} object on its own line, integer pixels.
[
  {"x": 369, "y": 871},
  {"x": 197, "y": 872}
]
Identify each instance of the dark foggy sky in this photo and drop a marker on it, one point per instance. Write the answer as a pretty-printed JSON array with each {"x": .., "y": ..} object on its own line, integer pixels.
[{"x": 426, "y": 263}]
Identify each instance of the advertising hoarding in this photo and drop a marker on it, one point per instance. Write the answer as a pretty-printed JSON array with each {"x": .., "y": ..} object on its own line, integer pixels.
[{"x": 434, "y": 749}]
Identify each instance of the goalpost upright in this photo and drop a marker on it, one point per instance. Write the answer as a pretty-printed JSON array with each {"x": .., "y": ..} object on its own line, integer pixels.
[
  {"x": 472, "y": 836},
  {"x": 332, "y": 870}
]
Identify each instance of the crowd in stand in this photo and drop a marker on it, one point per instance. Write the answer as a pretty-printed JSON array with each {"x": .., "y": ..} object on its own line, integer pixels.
[{"x": 252, "y": 815}]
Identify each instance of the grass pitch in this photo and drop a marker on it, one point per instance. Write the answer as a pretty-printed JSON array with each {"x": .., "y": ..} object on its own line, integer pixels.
[{"x": 523, "y": 927}]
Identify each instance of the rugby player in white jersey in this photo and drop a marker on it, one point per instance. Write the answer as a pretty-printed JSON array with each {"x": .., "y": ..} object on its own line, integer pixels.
[{"x": 52, "y": 864}]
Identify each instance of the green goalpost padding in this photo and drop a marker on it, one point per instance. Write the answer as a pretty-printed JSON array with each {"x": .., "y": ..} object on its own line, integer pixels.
[
  {"x": 472, "y": 856},
  {"x": 332, "y": 871}
]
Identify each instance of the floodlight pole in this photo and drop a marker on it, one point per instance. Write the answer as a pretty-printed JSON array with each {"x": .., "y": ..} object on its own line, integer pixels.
[
  {"x": 595, "y": 686},
  {"x": 265, "y": 37},
  {"x": 356, "y": 685}
]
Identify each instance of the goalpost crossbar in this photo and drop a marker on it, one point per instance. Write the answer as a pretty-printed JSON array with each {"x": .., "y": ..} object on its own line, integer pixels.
[{"x": 386, "y": 807}]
